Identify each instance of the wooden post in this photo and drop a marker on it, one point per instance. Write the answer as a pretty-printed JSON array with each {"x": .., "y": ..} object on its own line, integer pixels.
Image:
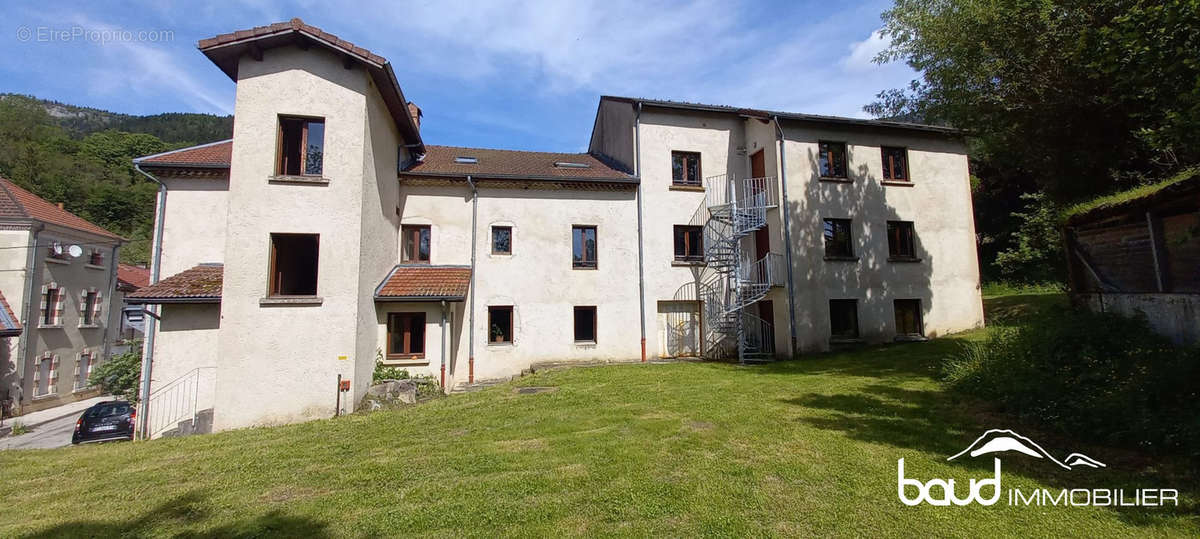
[{"x": 1156, "y": 250}]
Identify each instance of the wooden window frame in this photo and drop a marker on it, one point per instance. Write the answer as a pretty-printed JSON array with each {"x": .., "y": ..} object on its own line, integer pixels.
[
  {"x": 575, "y": 324},
  {"x": 919, "y": 318},
  {"x": 96, "y": 258},
  {"x": 416, "y": 249},
  {"x": 510, "y": 239},
  {"x": 87, "y": 314},
  {"x": 280, "y": 158},
  {"x": 273, "y": 282},
  {"x": 898, "y": 242},
  {"x": 857, "y": 326},
  {"x": 829, "y": 156},
  {"x": 889, "y": 164},
  {"x": 698, "y": 181},
  {"x": 685, "y": 257},
  {"x": 849, "y": 240},
  {"x": 407, "y": 356},
  {"x": 583, "y": 263},
  {"x": 511, "y": 315},
  {"x": 50, "y": 316}
]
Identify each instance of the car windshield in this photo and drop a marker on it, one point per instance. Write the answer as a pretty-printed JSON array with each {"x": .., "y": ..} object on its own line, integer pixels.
[{"x": 108, "y": 410}]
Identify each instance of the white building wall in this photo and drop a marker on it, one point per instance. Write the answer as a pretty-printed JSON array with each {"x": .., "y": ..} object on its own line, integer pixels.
[
  {"x": 194, "y": 222},
  {"x": 280, "y": 363},
  {"x": 938, "y": 202},
  {"x": 185, "y": 354}
]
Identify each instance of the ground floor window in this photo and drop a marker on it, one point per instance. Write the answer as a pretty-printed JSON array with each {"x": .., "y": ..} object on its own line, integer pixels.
[
  {"x": 500, "y": 324},
  {"x": 82, "y": 370},
  {"x": 908, "y": 317},
  {"x": 43, "y": 377},
  {"x": 585, "y": 324},
  {"x": 406, "y": 335},
  {"x": 843, "y": 318}
]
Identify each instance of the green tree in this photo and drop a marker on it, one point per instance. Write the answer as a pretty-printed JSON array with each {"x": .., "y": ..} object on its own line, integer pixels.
[
  {"x": 1036, "y": 254},
  {"x": 120, "y": 375},
  {"x": 1081, "y": 97}
]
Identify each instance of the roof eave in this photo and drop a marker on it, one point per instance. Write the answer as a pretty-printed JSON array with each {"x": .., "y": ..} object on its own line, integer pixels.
[
  {"x": 632, "y": 180},
  {"x": 160, "y": 300},
  {"x": 399, "y": 299}
]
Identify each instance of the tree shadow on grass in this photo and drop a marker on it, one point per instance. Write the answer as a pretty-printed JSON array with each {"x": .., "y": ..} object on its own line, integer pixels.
[
  {"x": 171, "y": 516},
  {"x": 939, "y": 424}
]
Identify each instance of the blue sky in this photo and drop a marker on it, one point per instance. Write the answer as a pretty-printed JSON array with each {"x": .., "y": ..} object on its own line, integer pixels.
[{"x": 503, "y": 74}]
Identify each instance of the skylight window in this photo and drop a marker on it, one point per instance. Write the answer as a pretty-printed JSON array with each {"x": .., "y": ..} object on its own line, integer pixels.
[
  {"x": 569, "y": 164},
  {"x": 466, "y": 160}
]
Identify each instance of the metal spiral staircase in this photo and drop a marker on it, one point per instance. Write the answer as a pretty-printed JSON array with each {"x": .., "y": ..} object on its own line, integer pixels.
[{"x": 734, "y": 209}]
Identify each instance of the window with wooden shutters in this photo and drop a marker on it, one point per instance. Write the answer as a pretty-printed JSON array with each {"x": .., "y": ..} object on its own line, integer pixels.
[
  {"x": 301, "y": 146},
  {"x": 901, "y": 241},
  {"x": 406, "y": 335},
  {"x": 83, "y": 369},
  {"x": 87, "y": 307},
  {"x": 689, "y": 243},
  {"x": 294, "y": 259},
  {"x": 685, "y": 169},
  {"x": 415, "y": 244},
  {"x": 908, "y": 317},
  {"x": 52, "y": 305},
  {"x": 832, "y": 159},
  {"x": 895, "y": 164}
]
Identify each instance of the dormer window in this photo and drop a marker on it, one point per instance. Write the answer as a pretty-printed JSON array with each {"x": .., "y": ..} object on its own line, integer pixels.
[{"x": 301, "y": 146}]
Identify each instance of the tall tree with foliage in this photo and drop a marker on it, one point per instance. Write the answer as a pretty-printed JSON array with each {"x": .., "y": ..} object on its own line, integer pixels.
[{"x": 1066, "y": 97}]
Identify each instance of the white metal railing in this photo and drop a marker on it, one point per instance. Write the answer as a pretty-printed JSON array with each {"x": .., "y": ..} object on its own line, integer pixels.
[
  {"x": 756, "y": 192},
  {"x": 760, "y": 335},
  {"x": 175, "y": 403}
]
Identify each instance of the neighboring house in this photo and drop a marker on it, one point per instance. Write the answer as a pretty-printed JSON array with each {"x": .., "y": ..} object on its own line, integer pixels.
[
  {"x": 128, "y": 321},
  {"x": 10, "y": 326},
  {"x": 60, "y": 274},
  {"x": 1139, "y": 254},
  {"x": 326, "y": 234}
]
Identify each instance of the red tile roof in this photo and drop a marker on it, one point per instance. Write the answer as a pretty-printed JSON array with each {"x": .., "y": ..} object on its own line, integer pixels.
[
  {"x": 440, "y": 161},
  {"x": 283, "y": 27},
  {"x": 17, "y": 203},
  {"x": 10, "y": 325},
  {"x": 132, "y": 277},
  {"x": 227, "y": 50},
  {"x": 211, "y": 155},
  {"x": 425, "y": 283},
  {"x": 200, "y": 284}
]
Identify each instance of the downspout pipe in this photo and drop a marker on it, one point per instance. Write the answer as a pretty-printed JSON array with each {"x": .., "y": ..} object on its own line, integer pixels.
[
  {"x": 30, "y": 314},
  {"x": 787, "y": 234},
  {"x": 112, "y": 294},
  {"x": 637, "y": 171},
  {"x": 152, "y": 321},
  {"x": 471, "y": 321},
  {"x": 443, "y": 346}
]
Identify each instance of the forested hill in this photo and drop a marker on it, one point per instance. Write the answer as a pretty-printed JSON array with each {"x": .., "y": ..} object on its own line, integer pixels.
[
  {"x": 81, "y": 157},
  {"x": 174, "y": 128}
]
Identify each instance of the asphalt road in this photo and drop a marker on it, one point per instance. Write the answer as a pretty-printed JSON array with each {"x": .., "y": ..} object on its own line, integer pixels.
[{"x": 54, "y": 433}]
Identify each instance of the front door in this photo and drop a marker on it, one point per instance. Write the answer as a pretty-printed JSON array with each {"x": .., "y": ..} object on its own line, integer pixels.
[{"x": 762, "y": 236}]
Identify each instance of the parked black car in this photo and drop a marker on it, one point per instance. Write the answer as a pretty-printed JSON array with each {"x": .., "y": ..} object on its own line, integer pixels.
[{"x": 111, "y": 420}]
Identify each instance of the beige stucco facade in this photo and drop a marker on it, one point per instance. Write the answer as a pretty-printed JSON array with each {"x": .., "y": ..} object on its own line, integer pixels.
[
  {"x": 278, "y": 360},
  {"x": 49, "y": 363}
]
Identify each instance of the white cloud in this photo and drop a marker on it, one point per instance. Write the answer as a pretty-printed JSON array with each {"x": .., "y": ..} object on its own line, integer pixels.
[{"x": 862, "y": 53}]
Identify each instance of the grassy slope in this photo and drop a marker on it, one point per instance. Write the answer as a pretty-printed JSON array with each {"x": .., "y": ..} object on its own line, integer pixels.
[{"x": 797, "y": 448}]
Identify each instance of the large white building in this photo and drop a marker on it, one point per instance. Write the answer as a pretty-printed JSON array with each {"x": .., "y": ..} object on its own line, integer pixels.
[{"x": 326, "y": 233}]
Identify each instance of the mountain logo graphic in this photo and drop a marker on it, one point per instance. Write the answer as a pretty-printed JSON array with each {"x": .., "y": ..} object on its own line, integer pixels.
[{"x": 1004, "y": 440}]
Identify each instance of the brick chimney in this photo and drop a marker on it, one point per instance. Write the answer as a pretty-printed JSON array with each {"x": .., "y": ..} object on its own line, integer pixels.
[
  {"x": 415, "y": 112},
  {"x": 60, "y": 205}
]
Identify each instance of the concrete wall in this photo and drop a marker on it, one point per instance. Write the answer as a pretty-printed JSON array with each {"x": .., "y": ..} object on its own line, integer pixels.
[
  {"x": 187, "y": 341},
  {"x": 1177, "y": 316},
  {"x": 194, "y": 222},
  {"x": 938, "y": 202},
  {"x": 537, "y": 278},
  {"x": 280, "y": 363}
]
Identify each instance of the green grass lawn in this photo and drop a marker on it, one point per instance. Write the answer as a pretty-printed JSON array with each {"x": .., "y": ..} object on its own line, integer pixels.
[{"x": 796, "y": 448}]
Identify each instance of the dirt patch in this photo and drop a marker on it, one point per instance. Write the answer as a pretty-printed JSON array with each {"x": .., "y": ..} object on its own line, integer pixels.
[
  {"x": 290, "y": 494},
  {"x": 534, "y": 390},
  {"x": 533, "y": 444},
  {"x": 699, "y": 425}
]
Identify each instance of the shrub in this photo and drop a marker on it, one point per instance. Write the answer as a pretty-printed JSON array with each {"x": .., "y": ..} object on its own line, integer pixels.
[
  {"x": 1091, "y": 375},
  {"x": 427, "y": 386},
  {"x": 119, "y": 376}
]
